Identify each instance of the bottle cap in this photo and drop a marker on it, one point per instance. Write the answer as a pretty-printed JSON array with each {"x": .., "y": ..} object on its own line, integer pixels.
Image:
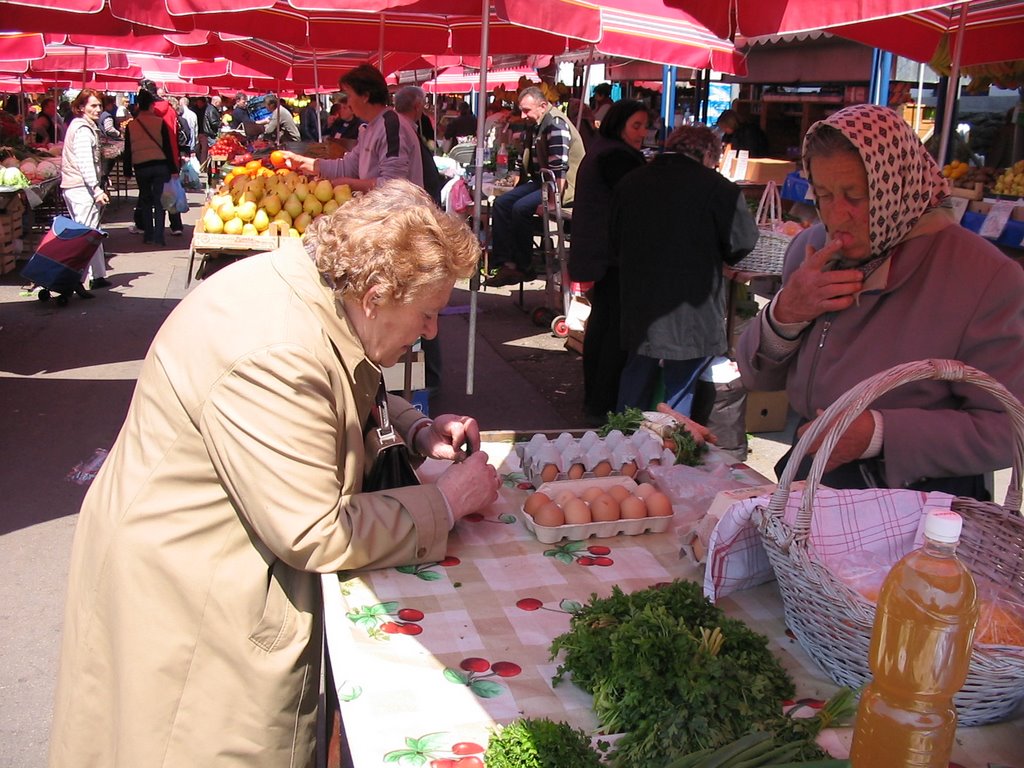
[{"x": 943, "y": 525}]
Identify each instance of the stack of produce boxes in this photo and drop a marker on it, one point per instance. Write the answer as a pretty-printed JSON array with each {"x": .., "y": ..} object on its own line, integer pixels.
[{"x": 11, "y": 231}]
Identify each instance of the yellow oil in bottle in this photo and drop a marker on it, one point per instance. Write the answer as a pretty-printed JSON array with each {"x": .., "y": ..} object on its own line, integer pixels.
[{"x": 919, "y": 656}]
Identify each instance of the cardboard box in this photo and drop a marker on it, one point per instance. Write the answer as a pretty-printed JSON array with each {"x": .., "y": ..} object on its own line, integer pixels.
[
  {"x": 767, "y": 411},
  {"x": 761, "y": 170},
  {"x": 394, "y": 377}
]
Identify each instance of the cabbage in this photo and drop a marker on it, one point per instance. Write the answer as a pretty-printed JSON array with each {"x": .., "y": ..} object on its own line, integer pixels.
[
  {"x": 46, "y": 170},
  {"x": 13, "y": 177},
  {"x": 28, "y": 167},
  {"x": 10, "y": 162}
]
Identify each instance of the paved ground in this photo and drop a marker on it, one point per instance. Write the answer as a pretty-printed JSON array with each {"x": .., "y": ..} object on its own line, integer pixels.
[{"x": 66, "y": 379}]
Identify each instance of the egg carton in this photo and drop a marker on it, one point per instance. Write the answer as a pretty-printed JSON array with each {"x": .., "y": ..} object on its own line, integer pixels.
[
  {"x": 552, "y": 534},
  {"x": 566, "y": 454}
]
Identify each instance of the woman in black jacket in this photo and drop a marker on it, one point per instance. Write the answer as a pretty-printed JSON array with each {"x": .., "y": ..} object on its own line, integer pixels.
[{"x": 615, "y": 151}]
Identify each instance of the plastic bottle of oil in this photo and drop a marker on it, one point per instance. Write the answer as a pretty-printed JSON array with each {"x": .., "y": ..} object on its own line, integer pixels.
[{"x": 920, "y": 652}]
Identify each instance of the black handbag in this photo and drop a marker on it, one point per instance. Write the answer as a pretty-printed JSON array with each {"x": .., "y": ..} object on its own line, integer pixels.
[{"x": 391, "y": 465}]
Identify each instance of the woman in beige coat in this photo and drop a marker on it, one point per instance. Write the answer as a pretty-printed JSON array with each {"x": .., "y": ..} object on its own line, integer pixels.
[{"x": 193, "y": 628}]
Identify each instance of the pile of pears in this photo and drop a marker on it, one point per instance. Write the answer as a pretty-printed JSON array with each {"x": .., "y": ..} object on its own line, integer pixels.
[{"x": 282, "y": 204}]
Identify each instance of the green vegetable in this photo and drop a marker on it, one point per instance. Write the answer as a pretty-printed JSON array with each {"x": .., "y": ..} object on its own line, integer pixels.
[
  {"x": 777, "y": 740},
  {"x": 687, "y": 450},
  {"x": 659, "y": 672},
  {"x": 540, "y": 743}
]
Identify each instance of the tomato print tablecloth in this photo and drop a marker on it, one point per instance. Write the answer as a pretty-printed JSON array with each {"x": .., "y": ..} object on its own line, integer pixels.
[{"x": 427, "y": 659}]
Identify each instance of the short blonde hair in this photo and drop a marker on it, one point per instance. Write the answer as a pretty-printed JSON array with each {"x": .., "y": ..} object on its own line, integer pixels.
[{"x": 393, "y": 237}]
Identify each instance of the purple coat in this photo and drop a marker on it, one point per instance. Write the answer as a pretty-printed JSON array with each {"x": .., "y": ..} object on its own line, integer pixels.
[{"x": 951, "y": 295}]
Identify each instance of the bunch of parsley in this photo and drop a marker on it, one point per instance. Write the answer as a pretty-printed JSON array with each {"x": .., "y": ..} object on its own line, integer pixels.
[
  {"x": 540, "y": 743},
  {"x": 671, "y": 671}
]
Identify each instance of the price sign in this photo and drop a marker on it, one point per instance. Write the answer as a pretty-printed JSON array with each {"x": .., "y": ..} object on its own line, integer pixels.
[
  {"x": 995, "y": 221},
  {"x": 959, "y": 207}
]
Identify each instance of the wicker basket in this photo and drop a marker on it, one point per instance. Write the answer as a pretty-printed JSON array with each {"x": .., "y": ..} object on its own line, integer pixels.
[
  {"x": 832, "y": 621},
  {"x": 770, "y": 252}
]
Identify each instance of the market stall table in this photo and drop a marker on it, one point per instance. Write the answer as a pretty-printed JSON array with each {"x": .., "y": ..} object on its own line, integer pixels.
[{"x": 400, "y": 638}]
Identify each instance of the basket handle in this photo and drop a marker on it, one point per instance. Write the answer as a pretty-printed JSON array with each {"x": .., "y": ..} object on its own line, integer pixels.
[
  {"x": 835, "y": 420},
  {"x": 769, "y": 210}
]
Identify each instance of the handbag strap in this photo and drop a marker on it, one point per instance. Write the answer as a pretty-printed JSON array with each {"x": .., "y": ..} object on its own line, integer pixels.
[{"x": 386, "y": 434}]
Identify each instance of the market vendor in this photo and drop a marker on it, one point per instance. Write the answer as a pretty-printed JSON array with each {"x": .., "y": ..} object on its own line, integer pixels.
[
  {"x": 280, "y": 126},
  {"x": 193, "y": 631},
  {"x": 889, "y": 277},
  {"x": 557, "y": 147},
  {"x": 388, "y": 147}
]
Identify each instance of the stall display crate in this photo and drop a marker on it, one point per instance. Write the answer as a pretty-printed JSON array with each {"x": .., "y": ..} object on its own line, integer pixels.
[
  {"x": 212, "y": 247},
  {"x": 767, "y": 411},
  {"x": 11, "y": 233}
]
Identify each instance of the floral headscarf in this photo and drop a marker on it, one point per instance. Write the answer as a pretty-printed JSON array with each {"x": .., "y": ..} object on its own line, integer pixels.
[{"x": 904, "y": 181}]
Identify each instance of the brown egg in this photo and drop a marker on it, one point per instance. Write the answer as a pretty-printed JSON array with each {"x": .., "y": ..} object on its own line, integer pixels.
[
  {"x": 564, "y": 497},
  {"x": 577, "y": 512},
  {"x": 659, "y": 505},
  {"x": 576, "y": 471},
  {"x": 534, "y": 502},
  {"x": 633, "y": 508},
  {"x": 602, "y": 468},
  {"x": 550, "y": 516},
  {"x": 629, "y": 469},
  {"x": 619, "y": 492},
  {"x": 604, "y": 508},
  {"x": 549, "y": 473},
  {"x": 644, "y": 490},
  {"x": 591, "y": 493}
]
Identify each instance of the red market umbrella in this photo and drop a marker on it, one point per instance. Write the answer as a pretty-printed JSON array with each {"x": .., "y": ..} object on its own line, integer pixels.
[
  {"x": 88, "y": 16},
  {"x": 464, "y": 80},
  {"x": 422, "y": 33},
  {"x": 648, "y": 30},
  {"x": 21, "y": 46}
]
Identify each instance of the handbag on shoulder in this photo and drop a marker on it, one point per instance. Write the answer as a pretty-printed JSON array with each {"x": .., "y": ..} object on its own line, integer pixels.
[{"x": 390, "y": 465}]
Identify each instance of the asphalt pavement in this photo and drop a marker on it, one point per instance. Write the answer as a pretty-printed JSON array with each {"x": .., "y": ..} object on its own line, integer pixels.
[{"x": 66, "y": 379}]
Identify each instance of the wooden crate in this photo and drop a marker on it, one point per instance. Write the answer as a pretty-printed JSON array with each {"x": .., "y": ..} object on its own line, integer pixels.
[
  {"x": 210, "y": 247},
  {"x": 10, "y": 228},
  {"x": 7, "y": 263}
]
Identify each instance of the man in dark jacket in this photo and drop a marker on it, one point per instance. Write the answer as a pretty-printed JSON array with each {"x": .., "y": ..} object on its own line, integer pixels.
[{"x": 674, "y": 224}]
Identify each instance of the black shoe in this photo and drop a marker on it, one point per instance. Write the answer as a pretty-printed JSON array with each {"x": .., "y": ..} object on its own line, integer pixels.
[
  {"x": 84, "y": 294},
  {"x": 507, "y": 276},
  {"x": 99, "y": 282}
]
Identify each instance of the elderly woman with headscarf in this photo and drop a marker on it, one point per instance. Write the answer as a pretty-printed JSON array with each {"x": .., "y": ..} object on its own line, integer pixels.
[
  {"x": 674, "y": 224},
  {"x": 194, "y": 621},
  {"x": 888, "y": 277}
]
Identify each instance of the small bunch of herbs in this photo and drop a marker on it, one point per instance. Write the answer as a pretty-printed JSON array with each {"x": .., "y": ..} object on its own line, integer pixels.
[
  {"x": 686, "y": 449},
  {"x": 540, "y": 743},
  {"x": 671, "y": 671}
]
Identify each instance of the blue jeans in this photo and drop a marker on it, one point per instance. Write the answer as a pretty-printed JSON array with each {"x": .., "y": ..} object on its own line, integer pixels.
[
  {"x": 512, "y": 226},
  {"x": 151, "y": 182},
  {"x": 640, "y": 379}
]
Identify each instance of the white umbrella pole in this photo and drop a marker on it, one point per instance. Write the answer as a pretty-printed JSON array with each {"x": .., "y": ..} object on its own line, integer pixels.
[
  {"x": 919, "y": 103},
  {"x": 583, "y": 91},
  {"x": 952, "y": 87},
  {"x": 474, "y": 282}
]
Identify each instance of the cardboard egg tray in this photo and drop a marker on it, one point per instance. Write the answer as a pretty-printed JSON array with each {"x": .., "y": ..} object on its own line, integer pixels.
[{"x": 603, "y": 530}]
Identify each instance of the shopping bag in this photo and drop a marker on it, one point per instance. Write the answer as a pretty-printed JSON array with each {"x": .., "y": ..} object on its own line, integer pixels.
[
  {"x": 190, "y": 174},
  {"x": 173, "y": 198}
]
